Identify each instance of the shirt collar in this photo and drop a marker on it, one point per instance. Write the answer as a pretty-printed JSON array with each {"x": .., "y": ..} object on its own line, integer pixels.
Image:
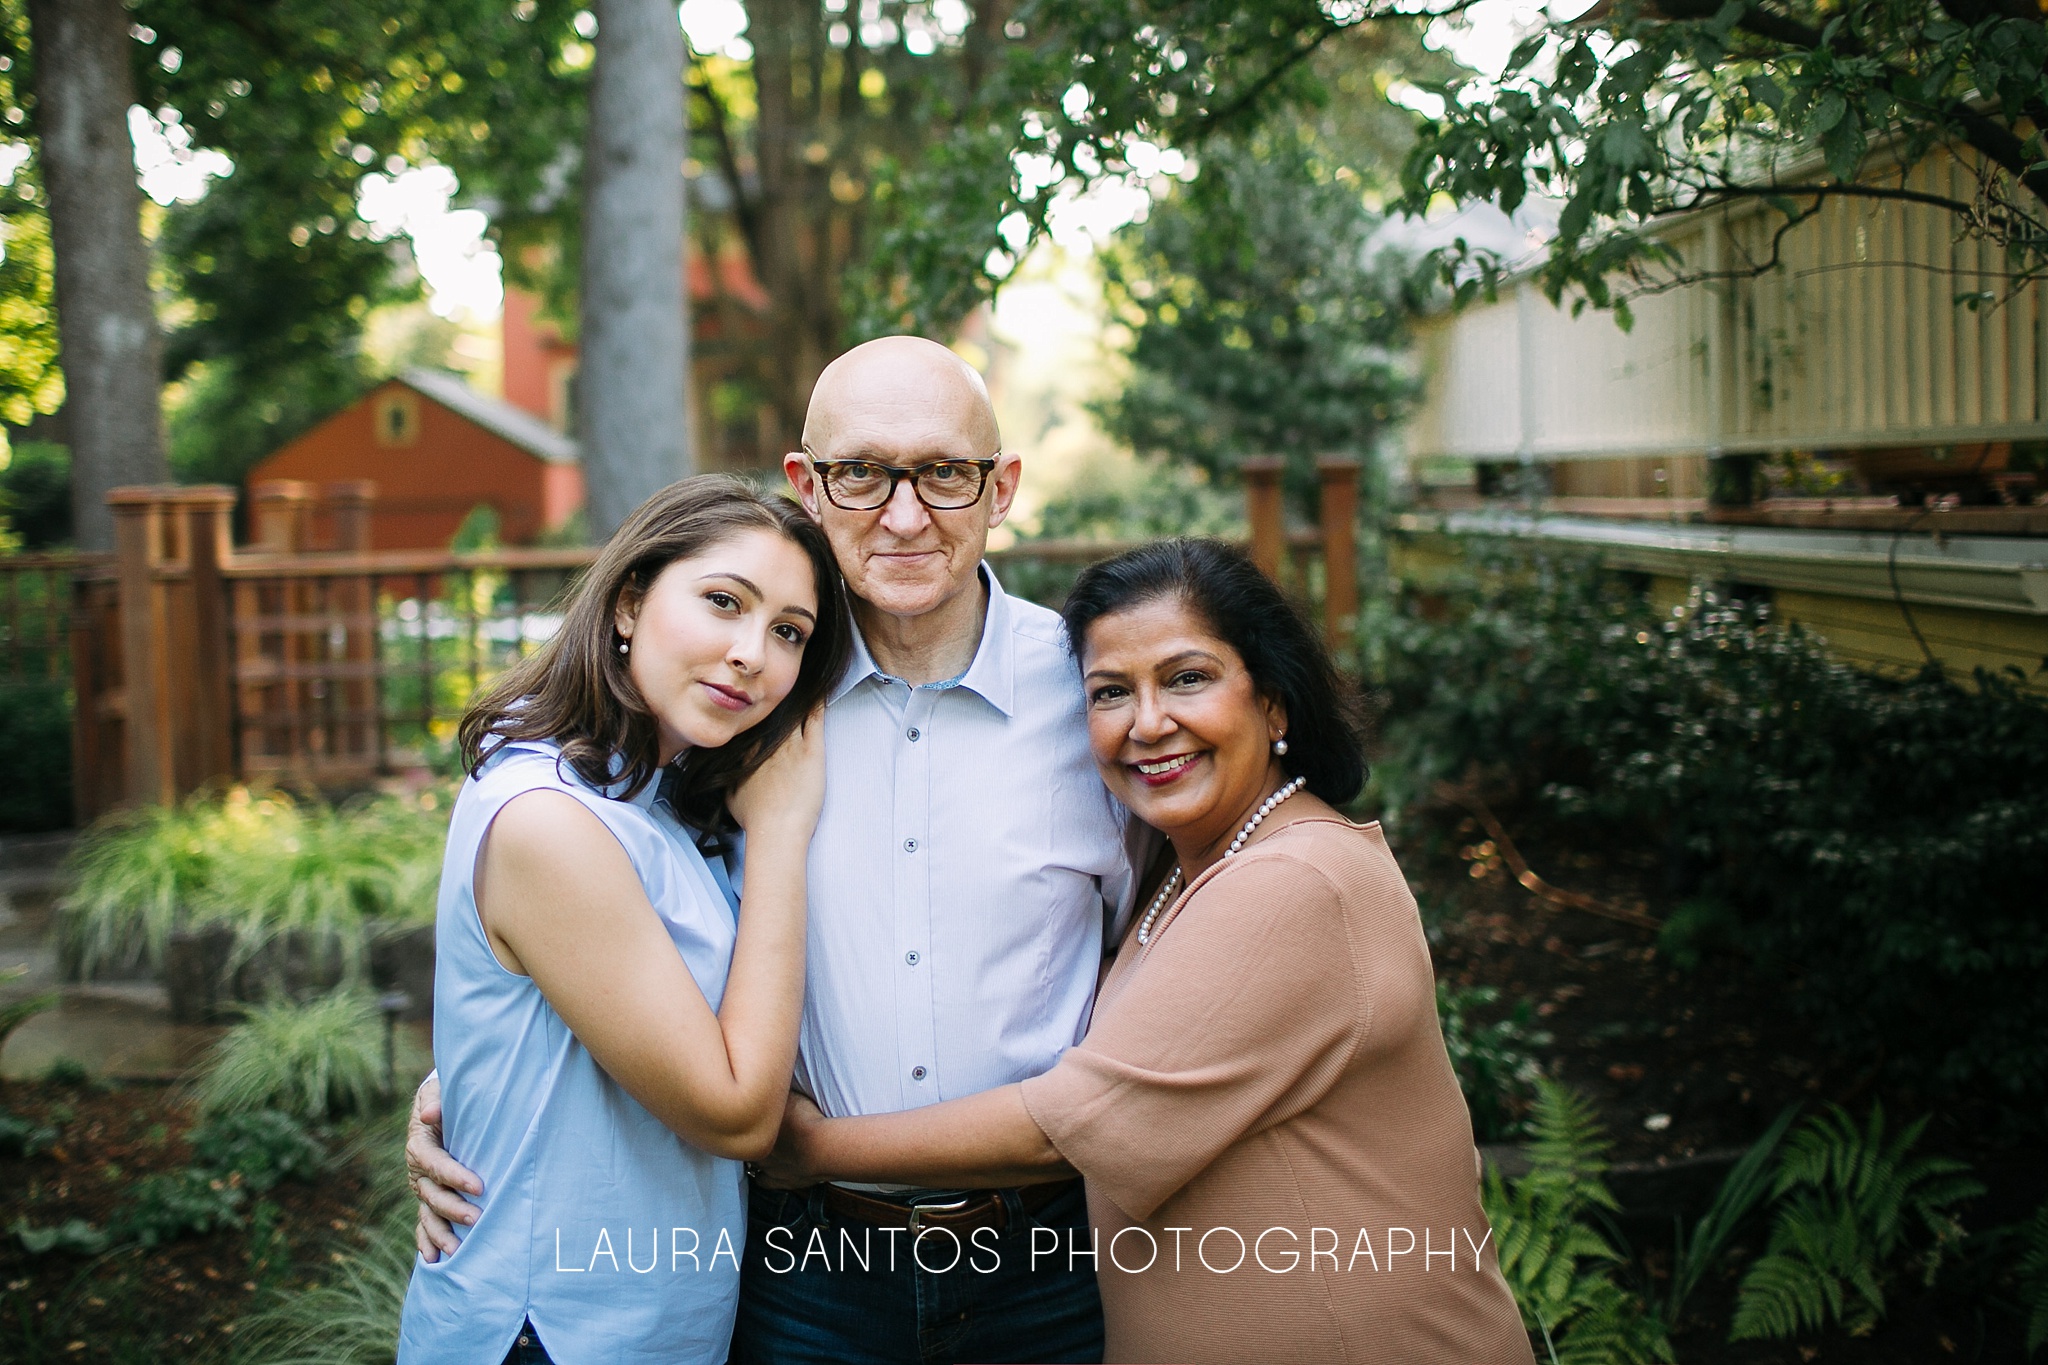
[{"x": 992, "y": 675}]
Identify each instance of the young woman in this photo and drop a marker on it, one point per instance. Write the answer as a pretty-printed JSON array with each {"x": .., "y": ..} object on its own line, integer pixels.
[
  {"x": 1279, "y": 1162},
  {"x": 613, "y": 1036}
]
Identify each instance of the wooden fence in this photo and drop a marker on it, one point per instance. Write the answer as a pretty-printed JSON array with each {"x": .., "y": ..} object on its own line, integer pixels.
[{"x": 304, "y": 657}]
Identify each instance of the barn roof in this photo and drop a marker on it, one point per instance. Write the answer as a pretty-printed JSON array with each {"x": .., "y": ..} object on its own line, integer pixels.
[{"x": 516, "y": 425}]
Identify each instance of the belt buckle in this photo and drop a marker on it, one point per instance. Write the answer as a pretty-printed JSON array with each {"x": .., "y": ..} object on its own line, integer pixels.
[{"x": 918, "y": 1210}]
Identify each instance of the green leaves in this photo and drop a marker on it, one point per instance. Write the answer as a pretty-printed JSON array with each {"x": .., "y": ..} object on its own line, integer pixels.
[
  {"x": 1681, "y": 113},
  {"x": 1881, "y": 849},
  {"x": 261, "y": 865},
  {"x": 1557, "y": 1264},
  {"x": 1492, "y": 1061},
  {"x": 1851, "y": 1200},
  {"x": 2033, "y": 1277},
  {"x": 1260, "y": 324},
  {"x": 315, "y": 1061}
]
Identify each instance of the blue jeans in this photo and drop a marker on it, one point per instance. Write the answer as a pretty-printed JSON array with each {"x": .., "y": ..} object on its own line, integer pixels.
[
  {"x": 990, "y": 1304},
  {"x": 527, "y": 1350}
]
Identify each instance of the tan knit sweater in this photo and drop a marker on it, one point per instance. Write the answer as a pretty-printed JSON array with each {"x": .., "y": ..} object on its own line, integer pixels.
[{"x": 1279, "y": 1162}]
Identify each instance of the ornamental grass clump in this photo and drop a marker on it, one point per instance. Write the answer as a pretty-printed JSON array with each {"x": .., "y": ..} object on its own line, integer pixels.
[
  {"x": 260, "y": 865},
  {"x": 317, "y": 1061}
]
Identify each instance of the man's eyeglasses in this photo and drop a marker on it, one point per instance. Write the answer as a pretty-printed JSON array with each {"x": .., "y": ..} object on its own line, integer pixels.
[{"x": 942, "y": 485}]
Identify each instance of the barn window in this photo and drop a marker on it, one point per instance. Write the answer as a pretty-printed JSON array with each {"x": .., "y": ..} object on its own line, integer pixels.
[{"x": 397, "y": 418}]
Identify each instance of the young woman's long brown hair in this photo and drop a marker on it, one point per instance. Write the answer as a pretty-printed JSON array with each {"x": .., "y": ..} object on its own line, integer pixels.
[{"x": 576, "y": 691}]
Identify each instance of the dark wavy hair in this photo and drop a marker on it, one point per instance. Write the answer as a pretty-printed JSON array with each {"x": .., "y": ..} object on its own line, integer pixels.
[
  {"x": 1241, "y": 606},
  {"x": 576, "y": 691}
]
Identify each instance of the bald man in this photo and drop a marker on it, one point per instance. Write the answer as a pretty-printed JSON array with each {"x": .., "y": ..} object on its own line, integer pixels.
[{"x": 966, "y": 871}]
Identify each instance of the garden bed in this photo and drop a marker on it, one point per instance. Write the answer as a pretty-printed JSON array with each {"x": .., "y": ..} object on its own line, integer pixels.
[
  {"x": 1687, "y": 1068},
  {"x": 181, "y": 1299}
]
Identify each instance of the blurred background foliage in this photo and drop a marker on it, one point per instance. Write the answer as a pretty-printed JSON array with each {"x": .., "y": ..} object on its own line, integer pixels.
[{"x": 1873, "y": 842}]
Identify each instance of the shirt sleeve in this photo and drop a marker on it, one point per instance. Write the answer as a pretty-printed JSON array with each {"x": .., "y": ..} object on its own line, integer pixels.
[{"x": 1245, "y": 1010}]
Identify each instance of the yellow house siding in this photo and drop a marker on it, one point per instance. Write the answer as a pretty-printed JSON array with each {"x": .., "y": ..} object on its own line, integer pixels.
[{"x": 1874, "y": 634}]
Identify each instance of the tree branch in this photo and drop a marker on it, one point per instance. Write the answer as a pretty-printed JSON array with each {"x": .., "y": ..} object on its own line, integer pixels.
[
  {"x": 1197, "y": 128},
  {"x": 743, "y": 209}
]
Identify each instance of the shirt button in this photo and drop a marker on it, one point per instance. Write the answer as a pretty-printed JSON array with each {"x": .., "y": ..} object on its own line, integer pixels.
[
  {"x": 917, "y": 1073},
  {"x": 914, "y": 734},
  {"x": 912, "y": 958},
  {"x": 910, "y": 845}
]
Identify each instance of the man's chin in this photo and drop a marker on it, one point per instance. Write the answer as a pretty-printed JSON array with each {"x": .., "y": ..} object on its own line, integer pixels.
[{"x": 904, "y": 592}]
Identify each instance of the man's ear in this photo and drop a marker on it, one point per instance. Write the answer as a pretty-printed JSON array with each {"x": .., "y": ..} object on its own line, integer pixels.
[
  {"x": 802, "y": 480},
  {"x": 1008, "y": 472}
]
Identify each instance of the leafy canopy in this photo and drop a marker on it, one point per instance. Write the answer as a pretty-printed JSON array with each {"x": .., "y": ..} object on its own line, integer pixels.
[{"x": 1641, "y": 110}]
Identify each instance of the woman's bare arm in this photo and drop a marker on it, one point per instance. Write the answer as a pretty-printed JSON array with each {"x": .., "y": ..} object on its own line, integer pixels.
[
  {"x": 562, "y": 904},
  {"x": 981, "y": 1141}
]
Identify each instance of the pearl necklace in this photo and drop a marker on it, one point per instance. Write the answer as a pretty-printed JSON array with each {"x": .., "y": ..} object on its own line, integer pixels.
[{"x": 1159, "y": 902}]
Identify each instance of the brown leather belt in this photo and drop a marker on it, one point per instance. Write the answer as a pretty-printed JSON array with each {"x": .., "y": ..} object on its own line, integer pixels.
[{"x": 963, "y": 1212}]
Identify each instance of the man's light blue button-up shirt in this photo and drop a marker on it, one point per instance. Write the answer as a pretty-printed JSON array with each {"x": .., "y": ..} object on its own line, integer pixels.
[{"x": 966, "y": 867}]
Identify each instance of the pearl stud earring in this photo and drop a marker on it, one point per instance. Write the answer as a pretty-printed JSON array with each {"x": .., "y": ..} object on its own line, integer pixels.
[{"x": 1280, "y": 747}]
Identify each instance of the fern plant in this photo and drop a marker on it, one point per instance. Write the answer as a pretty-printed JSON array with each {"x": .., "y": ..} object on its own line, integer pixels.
[
  {"x": 1556, "y": 1262},
  {"x": 1852, "y": 1200},
  {"x": 1746, "y": 1186},
  {"x": 2034, "y": 1280}
]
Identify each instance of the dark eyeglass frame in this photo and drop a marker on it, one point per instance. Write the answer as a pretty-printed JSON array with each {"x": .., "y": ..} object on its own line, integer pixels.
[{"x": 897, "y": 474}]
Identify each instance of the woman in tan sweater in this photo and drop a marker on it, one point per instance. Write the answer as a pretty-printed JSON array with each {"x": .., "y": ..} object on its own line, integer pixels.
[{"x": 1278, "y": 1160}]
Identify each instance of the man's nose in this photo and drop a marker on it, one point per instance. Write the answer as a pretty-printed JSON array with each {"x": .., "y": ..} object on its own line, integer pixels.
[{"x": 903, "y": 515}]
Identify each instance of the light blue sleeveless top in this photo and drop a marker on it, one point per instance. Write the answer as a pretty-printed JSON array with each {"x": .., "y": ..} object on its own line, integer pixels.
[{"x": 617, "y": 1238}]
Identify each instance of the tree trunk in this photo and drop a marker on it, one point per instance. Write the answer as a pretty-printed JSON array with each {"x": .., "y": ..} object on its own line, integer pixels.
[
  {"x": 634, "y": 347},
  {"x": 111, "y": 351}
]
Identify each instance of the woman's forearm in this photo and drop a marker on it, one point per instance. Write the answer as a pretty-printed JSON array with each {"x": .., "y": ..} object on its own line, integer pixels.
[
  {"x": 982, "y": 1141},
  {"x": 763, "y": 998}
]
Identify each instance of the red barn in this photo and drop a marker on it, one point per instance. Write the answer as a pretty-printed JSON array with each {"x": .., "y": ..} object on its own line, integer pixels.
[{"x": 437, "y": 449}]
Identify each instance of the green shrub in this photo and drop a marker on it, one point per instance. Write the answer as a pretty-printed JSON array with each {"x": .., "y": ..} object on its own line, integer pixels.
[
  {"x": 35, "y": 756},
  {"x": 162, "y": 1208},
  {"x": 74, "y": 1235},
  {"x": 1558, "y": 1265},
  {"x": 1852, "y": 1203},
  {"x": 260, "y": 1146},
  {"x": 315, "y": 1061},
  {"x": 1878, "y": 839},
  {"x": 262, "y": 865},
  {"x": 1496, "y": 1072},
  {"x": 35, "y": 493},
  {"x": 23, "y": 1137},
  {"x": 351, "y": 1318},
  {"x": 66, "y": 1071}
]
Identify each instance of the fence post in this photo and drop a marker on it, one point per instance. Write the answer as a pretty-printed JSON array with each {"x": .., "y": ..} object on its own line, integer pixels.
[
  {"x": 139, "y": 527},
  {"x": 353, "y": 601},
  {"x": 1338, "y": 475},
  {"x": 209, "y": 541},
  {"x": 349, "y": 502},
  {"x": 1262, "y": 510},
  {"x": 281, "y": 515}
]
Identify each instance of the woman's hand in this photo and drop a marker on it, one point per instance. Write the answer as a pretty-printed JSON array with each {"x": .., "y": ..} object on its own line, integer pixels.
[
  {"x": 436, "y": 1177},
  {"x": 786, "y": 792},
  {"x": 788, "y": 1166}
]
